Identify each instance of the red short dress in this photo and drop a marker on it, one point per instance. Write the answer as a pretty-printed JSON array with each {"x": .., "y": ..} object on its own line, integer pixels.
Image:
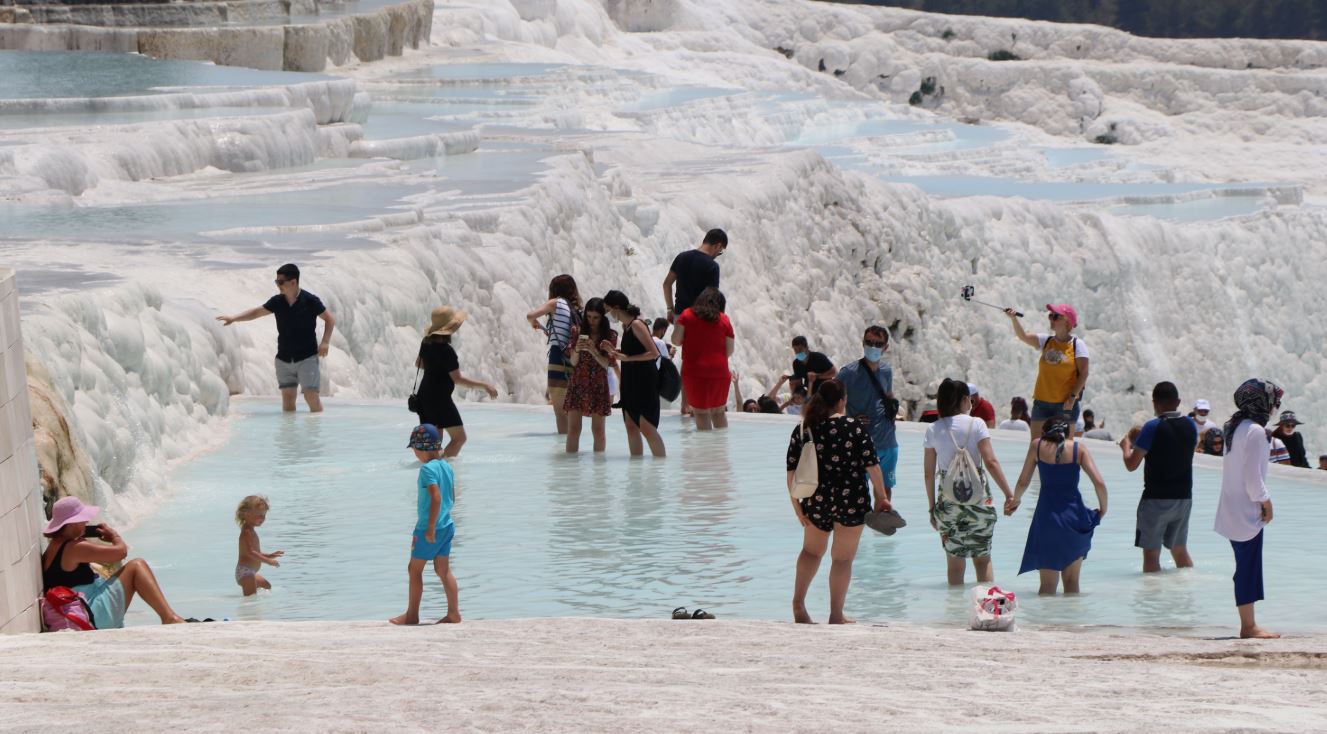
[{"x": 705, "y": 375}]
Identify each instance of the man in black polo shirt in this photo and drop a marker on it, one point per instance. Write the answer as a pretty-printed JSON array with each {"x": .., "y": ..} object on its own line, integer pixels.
[
  {"x": 693, "y": 271},
  {"x": 809, "y": 368},
  {"x": 297, "y": 345},
  {"x": 1167, "y": 443}
]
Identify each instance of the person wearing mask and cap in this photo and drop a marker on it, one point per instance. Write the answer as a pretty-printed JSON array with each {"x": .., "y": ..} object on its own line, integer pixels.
[
  {"x": 1062, "y": 369},
  {"x": 1294, "y": 441},
  {"x": 981, "y": 407},
  {"x": 1200, "y": 410},
  {"x": 1245, "y": 506}
]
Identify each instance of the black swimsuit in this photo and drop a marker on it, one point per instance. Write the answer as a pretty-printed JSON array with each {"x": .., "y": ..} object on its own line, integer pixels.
[
  {"x": 640, "y": 381},
  {"x": 55, "y": 575}
]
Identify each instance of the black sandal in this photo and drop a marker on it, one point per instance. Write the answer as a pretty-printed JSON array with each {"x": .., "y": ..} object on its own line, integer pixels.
[
  {"x": 702, "y": 614},
  {"x": 681, "y": 613}
]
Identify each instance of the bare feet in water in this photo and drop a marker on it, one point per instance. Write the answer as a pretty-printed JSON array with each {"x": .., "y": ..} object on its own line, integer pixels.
[
  {"x": 451, "y": 618},
  {"x": 404, "y": 619},
  {"x": 842, "y": 620},
  {"x": 800, "y": 615},
  {"x": 1257, "y": 633}
]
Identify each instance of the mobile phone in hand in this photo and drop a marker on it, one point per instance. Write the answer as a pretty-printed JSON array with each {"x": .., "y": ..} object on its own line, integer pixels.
[{"x": 92, "y": 531}]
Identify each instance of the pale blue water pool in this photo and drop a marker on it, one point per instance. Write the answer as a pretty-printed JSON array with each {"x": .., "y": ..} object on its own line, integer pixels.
[{"x": 543, "y": 534}]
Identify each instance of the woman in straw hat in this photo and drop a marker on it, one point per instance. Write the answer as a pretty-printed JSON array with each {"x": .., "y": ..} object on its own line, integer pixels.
[
  {"x": 70, "y": 553},
  {"x": 442, "y": 373}
]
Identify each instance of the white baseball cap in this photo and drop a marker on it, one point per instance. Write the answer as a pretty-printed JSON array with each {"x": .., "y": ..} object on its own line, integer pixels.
[
  {"x": 972, "y": 388},
  {"x": 1201, "y": 405}
]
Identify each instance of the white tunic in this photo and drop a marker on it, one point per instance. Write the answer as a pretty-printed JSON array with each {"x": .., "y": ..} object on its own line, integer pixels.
[{"x": 1243, "y": 483}]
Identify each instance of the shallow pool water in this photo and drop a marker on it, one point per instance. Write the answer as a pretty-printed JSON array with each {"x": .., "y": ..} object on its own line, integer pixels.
[{"x": 540, "y": 533}]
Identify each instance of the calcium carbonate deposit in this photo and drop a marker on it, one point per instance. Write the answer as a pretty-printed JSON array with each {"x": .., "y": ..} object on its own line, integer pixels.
[{"x": 867, "y": 164}]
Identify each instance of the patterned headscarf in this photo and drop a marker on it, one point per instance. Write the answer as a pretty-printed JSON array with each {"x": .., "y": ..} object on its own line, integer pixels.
[
  {"x": 1209, "y": 443},
  {"x": 1254, "y": 400}
]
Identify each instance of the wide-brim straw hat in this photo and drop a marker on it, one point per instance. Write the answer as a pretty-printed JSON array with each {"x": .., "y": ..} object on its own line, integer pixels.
[{"x": 445, "y": 321}]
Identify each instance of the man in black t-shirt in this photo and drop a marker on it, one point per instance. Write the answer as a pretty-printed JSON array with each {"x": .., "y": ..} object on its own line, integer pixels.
[
  {"x": 809, "y": 368},
  {"x": 297, "y": 345},
  {"x": 1167, "y": 444},
  {"x": 693, "y": 271}
]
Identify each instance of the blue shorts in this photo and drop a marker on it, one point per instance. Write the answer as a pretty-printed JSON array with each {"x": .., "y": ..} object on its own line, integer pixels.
[
  {"x": 422, "y": 550},
  {"x": 1043, "y": 410},
  {"x": 105, "y": 599},
  {"x": 888, "y": 465}
]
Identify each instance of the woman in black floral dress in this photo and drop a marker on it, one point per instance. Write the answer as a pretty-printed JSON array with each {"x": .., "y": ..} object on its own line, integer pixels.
[{"x": 839, "y": 506}]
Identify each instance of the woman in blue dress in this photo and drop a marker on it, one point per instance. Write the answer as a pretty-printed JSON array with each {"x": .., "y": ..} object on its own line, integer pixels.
[{"x": 1061, "y": 532}]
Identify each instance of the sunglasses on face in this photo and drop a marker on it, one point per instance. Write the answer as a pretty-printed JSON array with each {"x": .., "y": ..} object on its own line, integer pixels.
[
  {"x": 871, "y": 343},
  {"x": 1054, "y": 317},
  {"x": 280, "y": 282}
]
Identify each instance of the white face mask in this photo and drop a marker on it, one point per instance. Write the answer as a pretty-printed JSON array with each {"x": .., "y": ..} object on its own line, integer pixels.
[{"x": 1200, "y": 418}]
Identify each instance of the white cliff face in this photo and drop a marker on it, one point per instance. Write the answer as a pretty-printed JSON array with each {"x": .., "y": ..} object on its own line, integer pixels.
[{"x": 657, "y": 122}]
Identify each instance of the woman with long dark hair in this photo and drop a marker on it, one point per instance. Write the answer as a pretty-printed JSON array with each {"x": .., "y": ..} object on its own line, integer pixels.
[
  {"x": 843, "y": 452},
  {"x": 964, "y": 516},
  {"x": 563, "y": 309},
  {"x": 442, "y": 373},
  {"x": 640, "y": 375},
  {"x": 1061, "y": 531},
  {"x": 706, "y": 337},
  {"x": 588, "y": 391}
]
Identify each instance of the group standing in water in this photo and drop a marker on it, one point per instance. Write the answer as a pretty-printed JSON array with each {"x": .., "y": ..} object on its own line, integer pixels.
[{"x": 848, "y": 423}]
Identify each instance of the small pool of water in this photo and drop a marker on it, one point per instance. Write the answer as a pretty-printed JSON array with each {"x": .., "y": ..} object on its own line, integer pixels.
[
  {"x": 53, "y": 74},
  {"x": 540, "y": 533}
]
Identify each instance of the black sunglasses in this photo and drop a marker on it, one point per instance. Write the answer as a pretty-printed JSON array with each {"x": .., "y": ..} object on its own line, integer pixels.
[
  {"x": 281, "y": 282},
  {"x": 870, "y": 343}
]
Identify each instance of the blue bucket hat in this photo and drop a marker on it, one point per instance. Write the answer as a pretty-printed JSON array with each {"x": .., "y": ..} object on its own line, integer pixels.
[{"x": 425, "y": 437}]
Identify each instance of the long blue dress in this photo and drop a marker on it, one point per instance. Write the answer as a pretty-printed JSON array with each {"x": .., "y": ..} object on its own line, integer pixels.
[{"x": 1061, "y": 530}]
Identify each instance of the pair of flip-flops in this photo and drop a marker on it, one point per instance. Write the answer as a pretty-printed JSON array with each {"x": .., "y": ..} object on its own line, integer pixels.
[
  {"x": 191, "y": 620},
  {"x": 682, "y": 613},
  {"x": 887, "y": 522}
]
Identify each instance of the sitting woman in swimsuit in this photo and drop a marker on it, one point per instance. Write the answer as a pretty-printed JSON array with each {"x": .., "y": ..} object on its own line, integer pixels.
[{"x": 68, "y": 558}]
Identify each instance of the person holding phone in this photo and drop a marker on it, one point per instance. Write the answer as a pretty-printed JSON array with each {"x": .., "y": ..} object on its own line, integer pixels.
[
  {"x": 1062, "y": 370},
  {"x": 588, "y": 391},
  {"x": 75, "y": 545}
]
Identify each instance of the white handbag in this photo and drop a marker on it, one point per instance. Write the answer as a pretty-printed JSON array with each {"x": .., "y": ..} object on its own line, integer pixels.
[
  {"x": 806, "y": 477},
  {"x": 993, "y": 609}
]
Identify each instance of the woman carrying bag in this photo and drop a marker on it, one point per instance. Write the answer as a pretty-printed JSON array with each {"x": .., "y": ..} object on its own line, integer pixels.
[
  {"x": 441, "y": 373},
  {"x": 840, "y": 501}
]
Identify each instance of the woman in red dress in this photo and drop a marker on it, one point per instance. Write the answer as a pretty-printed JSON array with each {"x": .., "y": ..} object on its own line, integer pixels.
[
  {"x": 587, "y": 392},
  {"x": 706, "y": 337}
]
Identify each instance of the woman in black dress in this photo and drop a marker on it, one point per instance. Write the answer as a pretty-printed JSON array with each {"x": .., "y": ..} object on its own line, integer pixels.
[
  {"x": 442, "y": 373},
  {"x": 844, "y": 452},
  {"x": 640, "y": 376}
]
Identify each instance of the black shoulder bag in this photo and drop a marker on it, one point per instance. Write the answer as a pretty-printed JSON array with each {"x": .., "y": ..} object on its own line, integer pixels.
[
  {"x": 887, "y": 401},
  {"x": 412, "y": 402}
]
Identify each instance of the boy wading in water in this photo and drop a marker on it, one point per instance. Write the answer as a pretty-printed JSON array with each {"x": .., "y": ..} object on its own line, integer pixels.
[
  {"x": 434, "y": 529},
  {"x": 250, "y": 515}
]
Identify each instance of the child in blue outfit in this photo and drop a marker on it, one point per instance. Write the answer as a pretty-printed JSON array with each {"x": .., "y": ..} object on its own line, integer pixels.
[{"x": 434, "y": 529}]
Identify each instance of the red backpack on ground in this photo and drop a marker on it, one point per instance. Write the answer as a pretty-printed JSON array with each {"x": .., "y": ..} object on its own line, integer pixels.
[{"x": 62, "y": 608}]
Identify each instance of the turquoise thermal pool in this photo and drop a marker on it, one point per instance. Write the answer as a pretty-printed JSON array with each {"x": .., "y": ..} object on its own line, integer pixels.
[{"x": 540, "y": 533}]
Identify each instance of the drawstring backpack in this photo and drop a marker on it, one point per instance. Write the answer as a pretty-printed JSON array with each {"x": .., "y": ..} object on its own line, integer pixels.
[
  {"x": 62, "y": 608},
  {"x": 993, "y": 609},
  {"x": 806, "y": 478},
  {"x": 963, "y": 482}
]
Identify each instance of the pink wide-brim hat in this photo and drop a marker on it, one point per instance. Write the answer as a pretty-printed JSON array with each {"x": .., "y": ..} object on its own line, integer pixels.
[
  {"x": 67, "y": 510},
  {"x": 1064, "y": 310}
]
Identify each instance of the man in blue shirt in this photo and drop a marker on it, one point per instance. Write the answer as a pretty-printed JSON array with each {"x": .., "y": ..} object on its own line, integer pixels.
[
  {"x": 297, "y": 345},
  {"x": 870, "y": 383},
  {"x": 1167, "y": 444}
]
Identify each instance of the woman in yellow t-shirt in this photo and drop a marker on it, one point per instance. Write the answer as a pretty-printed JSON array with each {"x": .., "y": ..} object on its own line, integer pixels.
[{"x": 1062, "y": 369}]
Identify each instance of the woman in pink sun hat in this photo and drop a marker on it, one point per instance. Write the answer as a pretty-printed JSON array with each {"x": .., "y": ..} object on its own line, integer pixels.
[
  {"x": 1063, "y": 367},
  {"x": 67, "y": 560}
]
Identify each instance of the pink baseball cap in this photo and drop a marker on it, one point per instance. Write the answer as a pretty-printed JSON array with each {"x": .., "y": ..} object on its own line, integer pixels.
[
  {"x": 67, "y": 510},
  {"x": 1064, "y": 310}
]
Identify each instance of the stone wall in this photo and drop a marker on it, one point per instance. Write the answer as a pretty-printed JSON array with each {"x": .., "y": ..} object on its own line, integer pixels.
[
  {"x": 309, "y": 45},
  {"x": 21, "y": 511}
]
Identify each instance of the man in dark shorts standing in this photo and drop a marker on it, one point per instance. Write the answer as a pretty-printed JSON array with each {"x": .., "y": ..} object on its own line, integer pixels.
[
  {"x": 1167, "y": 443},
  {"x": 809, "y": 368},
  {"x": 693, "y": 271},
  {"x": 297, "y": 345}
]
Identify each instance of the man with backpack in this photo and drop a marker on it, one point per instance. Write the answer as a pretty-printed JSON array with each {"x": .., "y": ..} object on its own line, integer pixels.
[
  {"x": 870, "y": 385},
  {"x": 1166, "y": 445}
]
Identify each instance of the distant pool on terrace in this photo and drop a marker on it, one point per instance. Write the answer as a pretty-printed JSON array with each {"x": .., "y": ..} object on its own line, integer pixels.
[{"x": 541, "y": 534}]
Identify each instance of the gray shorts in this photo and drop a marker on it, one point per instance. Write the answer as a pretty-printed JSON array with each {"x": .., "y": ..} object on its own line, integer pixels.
[
  {"x": 1162, "y": 523},
  {"x": 303, "y": 374}
]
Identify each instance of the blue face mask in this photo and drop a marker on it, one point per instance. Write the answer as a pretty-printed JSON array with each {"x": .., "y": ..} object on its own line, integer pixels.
[
  {"x": 873, "y": 354},
  {"x": 800, "y": 356}
]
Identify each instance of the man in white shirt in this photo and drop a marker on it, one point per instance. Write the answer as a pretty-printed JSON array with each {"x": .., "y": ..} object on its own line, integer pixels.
[{"x": 1200, "y": 410}]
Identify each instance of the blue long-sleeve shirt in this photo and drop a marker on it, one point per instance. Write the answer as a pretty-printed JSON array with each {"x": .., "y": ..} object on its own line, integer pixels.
[{"x": 864, "y": 399}]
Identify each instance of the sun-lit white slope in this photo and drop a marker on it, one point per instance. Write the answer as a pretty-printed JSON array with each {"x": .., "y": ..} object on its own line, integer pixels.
[{"x": 1215, "y": 108}]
